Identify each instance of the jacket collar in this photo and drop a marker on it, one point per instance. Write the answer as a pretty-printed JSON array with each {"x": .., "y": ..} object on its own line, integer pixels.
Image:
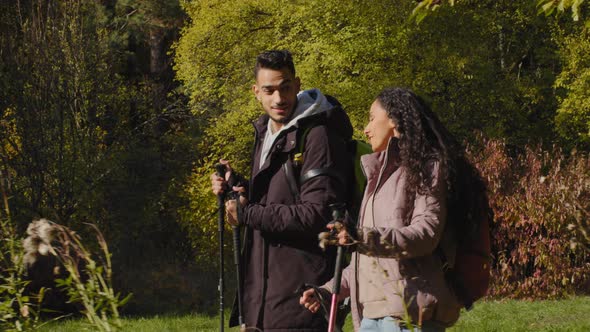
[
  {"x": 284, "y": 143},
  {"x": 385, "y": 162}
]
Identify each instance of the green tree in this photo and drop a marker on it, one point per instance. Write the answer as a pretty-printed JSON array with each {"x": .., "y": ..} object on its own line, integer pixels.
[
  {"x": 568, "y": 71},
  {"x": 489, "y": 67},
  {"x": 59, "y": 140},
  {"x": 91, "y": 134},
  {"x": 548, "y": 7},
  {"x": 573, "y": 85}
]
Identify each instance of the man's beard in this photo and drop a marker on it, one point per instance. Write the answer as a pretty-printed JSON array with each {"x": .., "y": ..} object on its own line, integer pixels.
[{"x": 288, "y": 118}]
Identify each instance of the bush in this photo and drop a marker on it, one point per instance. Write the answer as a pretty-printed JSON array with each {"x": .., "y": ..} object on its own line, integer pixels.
[
  {"x": 87, "y": 278},
  {"x": 540, "y": 233},
  {"x": 18, "y": 311}
]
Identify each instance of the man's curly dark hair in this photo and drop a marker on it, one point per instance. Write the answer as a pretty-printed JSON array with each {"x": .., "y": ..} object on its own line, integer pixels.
[{"x": 422, "y": 139}]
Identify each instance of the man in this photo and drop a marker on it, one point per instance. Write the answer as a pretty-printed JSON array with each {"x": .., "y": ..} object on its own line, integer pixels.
[{"x": 282, "y": 216}]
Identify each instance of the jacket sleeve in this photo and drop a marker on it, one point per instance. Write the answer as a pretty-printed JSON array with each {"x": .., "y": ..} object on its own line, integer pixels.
[
  {"x": 421, "y": 236},
  {"x": 311, "y": 214},
  {"x": 345, "y": 280}
]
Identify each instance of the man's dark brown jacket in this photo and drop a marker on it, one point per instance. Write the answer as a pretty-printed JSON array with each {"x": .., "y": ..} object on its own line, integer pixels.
[{"x": 281, "y": 249}]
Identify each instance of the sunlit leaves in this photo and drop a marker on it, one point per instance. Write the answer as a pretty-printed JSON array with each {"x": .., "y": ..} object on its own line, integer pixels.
[
  {"x": 550, "y": 7},
  {"x": 482, "y": 65},
  {"x": 573, "y": 114},
  {"x": 547, "y": 7}
]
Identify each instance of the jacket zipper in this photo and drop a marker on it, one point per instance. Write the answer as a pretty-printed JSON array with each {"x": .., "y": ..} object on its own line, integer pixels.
[
  {"x": 363, "y": 212},
  {"x": 377, "y": 185},
  {"x": 263, "y": 244}
]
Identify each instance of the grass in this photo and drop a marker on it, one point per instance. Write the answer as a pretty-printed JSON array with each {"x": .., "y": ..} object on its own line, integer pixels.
[
  {"x": 510, "y": 315},
  {"x": 146, "y": 324}
]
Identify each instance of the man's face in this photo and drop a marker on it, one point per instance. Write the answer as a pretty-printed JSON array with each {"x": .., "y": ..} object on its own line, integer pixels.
[{"x": 277, "y": 91}]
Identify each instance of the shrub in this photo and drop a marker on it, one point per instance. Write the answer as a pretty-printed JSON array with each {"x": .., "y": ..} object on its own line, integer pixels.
[
  {"x": 87, "y": 280},
  {"x": 18, "y": 311},
  {"x": 540, "y": 233}
]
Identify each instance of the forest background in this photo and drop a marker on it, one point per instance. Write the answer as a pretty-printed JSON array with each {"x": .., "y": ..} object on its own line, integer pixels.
[{"x": 114, "y": 112}]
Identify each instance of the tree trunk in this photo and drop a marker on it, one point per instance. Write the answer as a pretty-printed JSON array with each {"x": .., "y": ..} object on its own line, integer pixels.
[{"x": 157, "y": 54}]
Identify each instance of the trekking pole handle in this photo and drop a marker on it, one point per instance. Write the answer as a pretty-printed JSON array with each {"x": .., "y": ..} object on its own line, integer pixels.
[
  {"x": 220, "y": 170},
  {"x": 338, "y": 212}
]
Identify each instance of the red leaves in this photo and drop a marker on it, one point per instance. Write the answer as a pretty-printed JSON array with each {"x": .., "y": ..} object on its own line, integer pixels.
[{"x": 540, "y": 201}]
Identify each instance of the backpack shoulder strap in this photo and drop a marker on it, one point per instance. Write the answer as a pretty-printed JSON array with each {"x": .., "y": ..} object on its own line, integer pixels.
[{"x": 296, "y": 162}]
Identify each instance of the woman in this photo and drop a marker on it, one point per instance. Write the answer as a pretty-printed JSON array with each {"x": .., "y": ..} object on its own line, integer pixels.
[{"x": 395, "y": 279}]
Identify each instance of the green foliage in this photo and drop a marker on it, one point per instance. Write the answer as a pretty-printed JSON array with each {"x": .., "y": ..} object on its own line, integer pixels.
[
  {"x": 423, "y": 8},
  {"x": 573, "y": 113},
  {"x": 571, "y": 118},
  {"x": 487, "y": 65},
  {"x": 549, "y": 7},
  {"x": 147, "y": 14},
  {"x": 18, "y": 311},
  {"x": 60, "y": 130},
  {"x": 88, "y": 282},
  {"x": 89, "y": 132}
]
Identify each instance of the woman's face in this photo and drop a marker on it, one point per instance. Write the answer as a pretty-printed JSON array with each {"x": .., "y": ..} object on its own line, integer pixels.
[{"x": 380, "y": 128}]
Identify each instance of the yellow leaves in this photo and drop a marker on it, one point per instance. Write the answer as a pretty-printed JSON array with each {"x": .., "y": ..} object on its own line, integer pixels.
[{"x": 10, "y": 141}]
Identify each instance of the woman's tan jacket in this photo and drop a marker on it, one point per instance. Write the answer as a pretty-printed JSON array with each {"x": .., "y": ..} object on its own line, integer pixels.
[{"x": 400, "y": 235}]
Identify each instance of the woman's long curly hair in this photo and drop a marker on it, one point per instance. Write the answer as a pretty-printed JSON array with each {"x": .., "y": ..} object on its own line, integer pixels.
[{"x": 422, "y": 139}]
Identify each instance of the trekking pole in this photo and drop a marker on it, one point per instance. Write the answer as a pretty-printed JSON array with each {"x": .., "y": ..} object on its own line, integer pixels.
[
  {"x": 237, "y": 247},
  {"x": 337, "y": 215},
  {"x": 220, "y": 169}
]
